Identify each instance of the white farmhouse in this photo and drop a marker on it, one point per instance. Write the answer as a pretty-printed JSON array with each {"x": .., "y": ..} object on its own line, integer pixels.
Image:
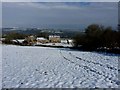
[{"x": 54, "y": 39}]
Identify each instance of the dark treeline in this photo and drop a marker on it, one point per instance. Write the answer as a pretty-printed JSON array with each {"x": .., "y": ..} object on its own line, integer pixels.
[
  {"x": 13, "y": 36},
  {"x": 98, "y": 37}
]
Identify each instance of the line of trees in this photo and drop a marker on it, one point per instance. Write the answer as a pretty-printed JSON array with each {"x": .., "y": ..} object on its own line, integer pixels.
[
  {"x": 13, "y": 36},
  {"x": 97, "y": 36}
]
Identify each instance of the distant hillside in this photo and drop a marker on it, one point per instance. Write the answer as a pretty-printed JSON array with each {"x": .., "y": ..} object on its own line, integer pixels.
[{"x": 62, "y": 33}]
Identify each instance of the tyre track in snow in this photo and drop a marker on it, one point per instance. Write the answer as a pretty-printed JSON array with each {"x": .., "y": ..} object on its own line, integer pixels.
[
  {"x": 107, "y": 66},
  {"x": 87, "y": 68}
]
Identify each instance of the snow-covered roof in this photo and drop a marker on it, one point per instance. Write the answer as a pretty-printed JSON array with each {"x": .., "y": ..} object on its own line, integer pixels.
[
  {"x": 31, "y": 36},
  {"x": 70, "y": 40},
  {"x": 41, "y": 38},
  {"x": 54, "y": 36},
  {"x": 2, "y": 38},
  {"x": 14, "y": 40},
  {"x": 20, "y": 40}
]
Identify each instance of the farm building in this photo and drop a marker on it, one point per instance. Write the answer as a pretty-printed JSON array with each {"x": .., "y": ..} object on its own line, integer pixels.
[
  {"x": 2, "y": 39},
  {"x": 18, "y": 41},
  {"x": 54, "y": 39},
  {"x": 31, "y": 40},
  {"x": 42, "y": 40}
]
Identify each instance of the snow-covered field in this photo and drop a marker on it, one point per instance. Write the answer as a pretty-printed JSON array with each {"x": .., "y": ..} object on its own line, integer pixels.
[{"x": 39, "y": 67}]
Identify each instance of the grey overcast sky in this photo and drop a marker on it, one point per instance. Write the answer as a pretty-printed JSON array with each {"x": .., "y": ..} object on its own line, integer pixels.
[{"x": 70, "y": 15}]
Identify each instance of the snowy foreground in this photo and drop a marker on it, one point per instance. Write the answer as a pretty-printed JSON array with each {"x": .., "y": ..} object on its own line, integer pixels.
[{"x": 39, "y": 67}]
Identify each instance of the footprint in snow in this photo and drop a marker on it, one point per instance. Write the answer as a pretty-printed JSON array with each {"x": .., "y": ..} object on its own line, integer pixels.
[
  {"x": 45, "y": 73},
  {"x": 36, "y": 69},
  {"x": 118, "y": 82}
]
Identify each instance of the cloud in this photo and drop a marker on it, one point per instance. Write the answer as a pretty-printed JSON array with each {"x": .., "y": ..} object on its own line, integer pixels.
[
  {"x": 66, "y": 5},
  {"x": 60, "y": 0},
  {"x": 60, "y": 14}
]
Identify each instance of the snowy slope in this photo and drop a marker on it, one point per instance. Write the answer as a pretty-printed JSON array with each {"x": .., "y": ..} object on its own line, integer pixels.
[
  {"x": 39, "y": 67},
  {"x": 0, "y": 66}
]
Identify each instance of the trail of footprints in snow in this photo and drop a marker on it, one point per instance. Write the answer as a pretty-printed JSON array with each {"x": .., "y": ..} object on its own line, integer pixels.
[
  {"x": 86, "y": 67},
  {"x": 108, "y": 66}
]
